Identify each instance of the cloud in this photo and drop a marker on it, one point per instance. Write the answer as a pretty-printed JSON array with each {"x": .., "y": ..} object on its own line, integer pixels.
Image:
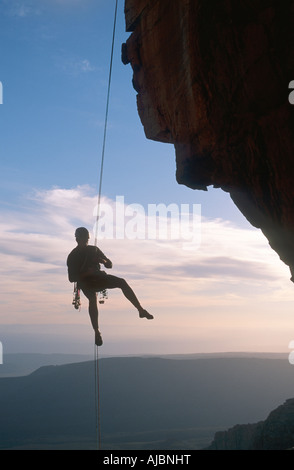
[
  {"x": 28, "y": 8},
  {"x": 22, "y": 9},
  {"x": 74, "y": 66},
  {"x": 42, "y": 229},
  {"x": 219, "y": 266},
  {"x": 232, "y": 270}
]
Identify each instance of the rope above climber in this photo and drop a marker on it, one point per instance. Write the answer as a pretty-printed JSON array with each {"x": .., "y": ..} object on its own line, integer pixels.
[{"x": 83, "y": 265}]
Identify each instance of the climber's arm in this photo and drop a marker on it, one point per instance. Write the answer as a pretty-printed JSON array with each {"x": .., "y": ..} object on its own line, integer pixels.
[{"x": 103, "y": 259}]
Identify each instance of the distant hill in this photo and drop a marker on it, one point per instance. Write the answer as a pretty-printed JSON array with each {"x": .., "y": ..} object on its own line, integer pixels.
[
  {"x": 17, "y": 364},
  {"x": 146, "y": 403}
]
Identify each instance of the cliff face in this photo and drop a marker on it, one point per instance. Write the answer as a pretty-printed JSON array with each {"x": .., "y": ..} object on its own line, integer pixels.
[
  {"x": 212, "y": 77},
  {"x": 275, "y": 433}
]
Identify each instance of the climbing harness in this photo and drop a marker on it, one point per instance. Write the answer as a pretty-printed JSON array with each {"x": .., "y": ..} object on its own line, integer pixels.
[
  {"x": 103, "y": 295},
  {"x": 76, "y": 301}
]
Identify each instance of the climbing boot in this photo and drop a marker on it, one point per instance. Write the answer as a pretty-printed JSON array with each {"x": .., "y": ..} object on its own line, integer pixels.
[
  {"x": 145, "y": 314},
  {"x": 98, "y": 338}
]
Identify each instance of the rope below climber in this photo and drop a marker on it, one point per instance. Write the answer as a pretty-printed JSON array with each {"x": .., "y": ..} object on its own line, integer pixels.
[{"x": 83, "y": 264}]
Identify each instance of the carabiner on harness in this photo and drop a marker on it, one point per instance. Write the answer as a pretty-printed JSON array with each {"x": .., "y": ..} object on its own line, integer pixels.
[
  {"x": 76, "y": 302},
  {"x": 103, "y": 295}
]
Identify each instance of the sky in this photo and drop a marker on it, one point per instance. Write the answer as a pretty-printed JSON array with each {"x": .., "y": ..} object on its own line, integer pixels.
[{"x": 213, "y": 284}]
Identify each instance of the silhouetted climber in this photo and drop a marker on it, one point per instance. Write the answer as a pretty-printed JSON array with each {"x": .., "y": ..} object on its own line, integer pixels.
[{"x": 83, "y": 264}]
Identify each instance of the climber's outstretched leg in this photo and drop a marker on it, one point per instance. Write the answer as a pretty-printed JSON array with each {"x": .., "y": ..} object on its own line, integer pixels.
[
  {"x": 99, "y": 283},
  {"x": 113, "y": 282}
]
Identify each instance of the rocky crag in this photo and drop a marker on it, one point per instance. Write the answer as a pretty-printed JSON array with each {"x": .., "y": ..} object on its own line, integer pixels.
[
  {"x": 212, "y": 77},
  {"x": 275, "y": 433}
]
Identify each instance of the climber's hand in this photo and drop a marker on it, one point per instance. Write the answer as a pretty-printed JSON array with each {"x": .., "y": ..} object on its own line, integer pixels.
[{"x": 108, "y": 264}]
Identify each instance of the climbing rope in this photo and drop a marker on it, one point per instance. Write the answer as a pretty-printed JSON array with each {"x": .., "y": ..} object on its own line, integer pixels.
[
  {"x": 104, "y": 295},
  {"x": 105, "y": 125},
  {"x": 97, "y": 396}
]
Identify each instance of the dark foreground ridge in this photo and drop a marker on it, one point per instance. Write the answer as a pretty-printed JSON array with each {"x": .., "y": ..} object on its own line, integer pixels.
[{"x": 275, "y": 433}]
